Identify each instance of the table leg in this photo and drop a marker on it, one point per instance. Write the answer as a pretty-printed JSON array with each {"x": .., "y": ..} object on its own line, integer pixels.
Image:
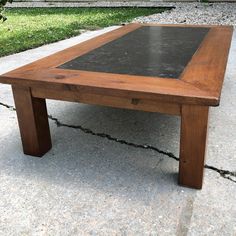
[
  {"x": 194, "y": 121},
  {"x": 33, "y": 122}
]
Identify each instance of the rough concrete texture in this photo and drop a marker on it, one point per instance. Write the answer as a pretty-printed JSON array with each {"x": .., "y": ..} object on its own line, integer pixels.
[{"x": 114, "y": 171}]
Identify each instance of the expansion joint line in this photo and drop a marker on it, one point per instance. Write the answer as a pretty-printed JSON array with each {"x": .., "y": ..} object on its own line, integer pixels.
[{"x": 223, "y": 173}]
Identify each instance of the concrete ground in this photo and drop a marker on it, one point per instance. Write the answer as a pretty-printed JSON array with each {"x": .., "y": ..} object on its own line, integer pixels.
[{"x": 93, "y": 183}]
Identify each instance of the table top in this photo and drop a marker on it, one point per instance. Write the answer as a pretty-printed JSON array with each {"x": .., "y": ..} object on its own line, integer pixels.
[
  {"x": 174, "y": 63},
  {"x": 149, "y": 51}
]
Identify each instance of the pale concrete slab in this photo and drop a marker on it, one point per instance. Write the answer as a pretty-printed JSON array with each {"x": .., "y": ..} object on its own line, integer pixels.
[{"x": 93, "y": 185}]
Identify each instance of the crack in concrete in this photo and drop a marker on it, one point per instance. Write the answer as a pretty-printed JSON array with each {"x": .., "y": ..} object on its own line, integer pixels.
[
  {"x": 8, "y": 106},
  {"x": 223, "y": 173},
  {"x": 229, "y": 175},
  {"x": 109, "y": 137}
]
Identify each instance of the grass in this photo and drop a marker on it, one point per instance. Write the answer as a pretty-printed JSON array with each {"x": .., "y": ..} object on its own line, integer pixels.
[{"x": 30, "y": 28}]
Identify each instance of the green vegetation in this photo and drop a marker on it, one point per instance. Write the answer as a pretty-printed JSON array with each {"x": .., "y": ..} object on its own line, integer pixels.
[{"x": 29, "y": 28}]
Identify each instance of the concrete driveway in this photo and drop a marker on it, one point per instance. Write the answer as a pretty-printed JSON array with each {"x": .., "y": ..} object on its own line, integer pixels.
[{"x": 113, "y": 171}]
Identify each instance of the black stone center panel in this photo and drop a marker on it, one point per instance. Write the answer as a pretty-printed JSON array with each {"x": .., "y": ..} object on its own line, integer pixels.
[{"x": 157, "y": 51}]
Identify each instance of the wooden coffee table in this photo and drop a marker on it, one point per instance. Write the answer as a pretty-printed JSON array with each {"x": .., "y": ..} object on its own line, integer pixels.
[{"x": 173, "y": 69}]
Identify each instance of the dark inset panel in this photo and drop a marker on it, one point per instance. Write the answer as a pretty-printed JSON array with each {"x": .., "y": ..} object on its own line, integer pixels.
[{"x": 148, "y": 51}]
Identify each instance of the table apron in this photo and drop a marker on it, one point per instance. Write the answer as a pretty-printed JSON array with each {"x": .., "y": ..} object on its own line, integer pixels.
[{"x": 107, "y": 100}]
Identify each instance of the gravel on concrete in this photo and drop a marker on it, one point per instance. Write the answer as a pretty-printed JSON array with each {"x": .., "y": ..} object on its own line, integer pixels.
[{"x": 195, "y": 13}]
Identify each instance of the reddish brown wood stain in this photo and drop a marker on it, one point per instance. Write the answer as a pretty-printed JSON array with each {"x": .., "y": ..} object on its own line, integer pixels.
[{"x": 190, "y": 97}]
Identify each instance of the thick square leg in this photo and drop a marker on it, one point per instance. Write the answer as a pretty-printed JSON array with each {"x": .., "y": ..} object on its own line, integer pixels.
[
  {"x": 33, "y": 122},
  {"x": 194, "y": 121}
]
